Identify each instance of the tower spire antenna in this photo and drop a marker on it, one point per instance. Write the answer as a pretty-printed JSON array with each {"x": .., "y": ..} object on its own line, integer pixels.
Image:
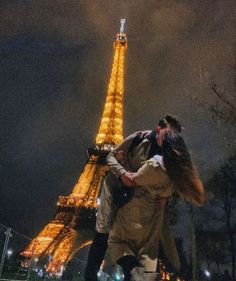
[{"x": 122, "y": 25}]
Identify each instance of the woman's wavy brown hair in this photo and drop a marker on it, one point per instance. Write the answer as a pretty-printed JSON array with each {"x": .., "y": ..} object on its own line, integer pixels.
[{"x": 180, "y": 169}]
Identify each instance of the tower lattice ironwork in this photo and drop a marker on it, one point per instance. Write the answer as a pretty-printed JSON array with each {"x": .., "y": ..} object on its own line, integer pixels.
[{"x": 72, "y": 227}]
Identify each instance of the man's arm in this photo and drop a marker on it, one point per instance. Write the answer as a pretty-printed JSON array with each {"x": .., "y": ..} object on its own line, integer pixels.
[{"x": 114, "y": 164}]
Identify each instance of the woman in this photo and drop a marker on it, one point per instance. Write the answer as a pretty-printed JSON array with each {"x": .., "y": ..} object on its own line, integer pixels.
[{"x": 137, "y": 228}]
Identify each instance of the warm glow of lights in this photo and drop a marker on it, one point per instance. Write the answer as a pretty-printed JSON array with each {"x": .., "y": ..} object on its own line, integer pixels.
[
  {"x": 39, "y": 244},
  {"x": 111, "y": 127},
  {"x": 62, "y": 251},
  {"x": 59, "y": 241},
  {"x": 88, "y": 184}
]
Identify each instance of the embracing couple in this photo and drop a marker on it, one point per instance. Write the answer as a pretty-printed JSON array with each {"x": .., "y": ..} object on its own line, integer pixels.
[{"x": 152, "y": 165}]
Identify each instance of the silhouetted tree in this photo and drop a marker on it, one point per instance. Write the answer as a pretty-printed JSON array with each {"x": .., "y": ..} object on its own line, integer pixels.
[
  {"x": 210, "y": 248},
  {"x": 220, "y": 101},
  {"x": 223, "y": 186}
]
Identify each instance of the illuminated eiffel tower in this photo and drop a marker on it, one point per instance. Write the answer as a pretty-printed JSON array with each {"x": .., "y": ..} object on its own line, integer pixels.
[{"x": 73, "y": 225}]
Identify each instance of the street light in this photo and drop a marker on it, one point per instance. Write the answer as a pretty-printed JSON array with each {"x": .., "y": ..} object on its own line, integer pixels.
[
  {"x": 9, "y": 252},
  {"x": 208, "y": 274},
  {"x": 118, "y": 276}
]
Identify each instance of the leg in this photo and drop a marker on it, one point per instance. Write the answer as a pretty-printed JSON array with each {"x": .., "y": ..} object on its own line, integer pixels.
[
  {"x": 105, "y": 218},
  {"x": 96, "y": 255},
  {"x": 128, "y": 263}
]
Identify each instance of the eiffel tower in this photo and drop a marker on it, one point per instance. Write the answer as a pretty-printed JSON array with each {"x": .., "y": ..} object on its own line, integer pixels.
[{"x": 72, "y": 227}]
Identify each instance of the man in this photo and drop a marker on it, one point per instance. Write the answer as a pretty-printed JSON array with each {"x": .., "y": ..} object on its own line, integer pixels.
[{"x": 136, "y": 148}]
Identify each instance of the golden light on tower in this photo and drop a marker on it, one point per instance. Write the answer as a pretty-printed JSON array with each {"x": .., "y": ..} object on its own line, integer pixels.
[
  {"x": 73, "y": 225},
  {"x": 111, "y": 127}
]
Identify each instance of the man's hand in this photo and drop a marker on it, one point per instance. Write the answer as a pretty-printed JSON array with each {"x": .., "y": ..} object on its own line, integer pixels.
[{"x": 127, "y": 179}]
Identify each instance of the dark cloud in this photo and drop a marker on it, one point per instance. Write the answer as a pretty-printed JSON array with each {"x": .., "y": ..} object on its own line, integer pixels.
[{"x": 56, "y": 58}]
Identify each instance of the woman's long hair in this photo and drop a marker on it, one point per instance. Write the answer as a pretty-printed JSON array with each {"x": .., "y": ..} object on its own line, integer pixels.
[{"x": 180, "y": 169}]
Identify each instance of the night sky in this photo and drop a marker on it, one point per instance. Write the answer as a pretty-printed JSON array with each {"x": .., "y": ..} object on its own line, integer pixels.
[{"x": 55, "y": 62}]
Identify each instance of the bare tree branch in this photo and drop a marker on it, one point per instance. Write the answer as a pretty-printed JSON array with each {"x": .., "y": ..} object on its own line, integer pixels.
[{"x": 222, "y": 96}]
